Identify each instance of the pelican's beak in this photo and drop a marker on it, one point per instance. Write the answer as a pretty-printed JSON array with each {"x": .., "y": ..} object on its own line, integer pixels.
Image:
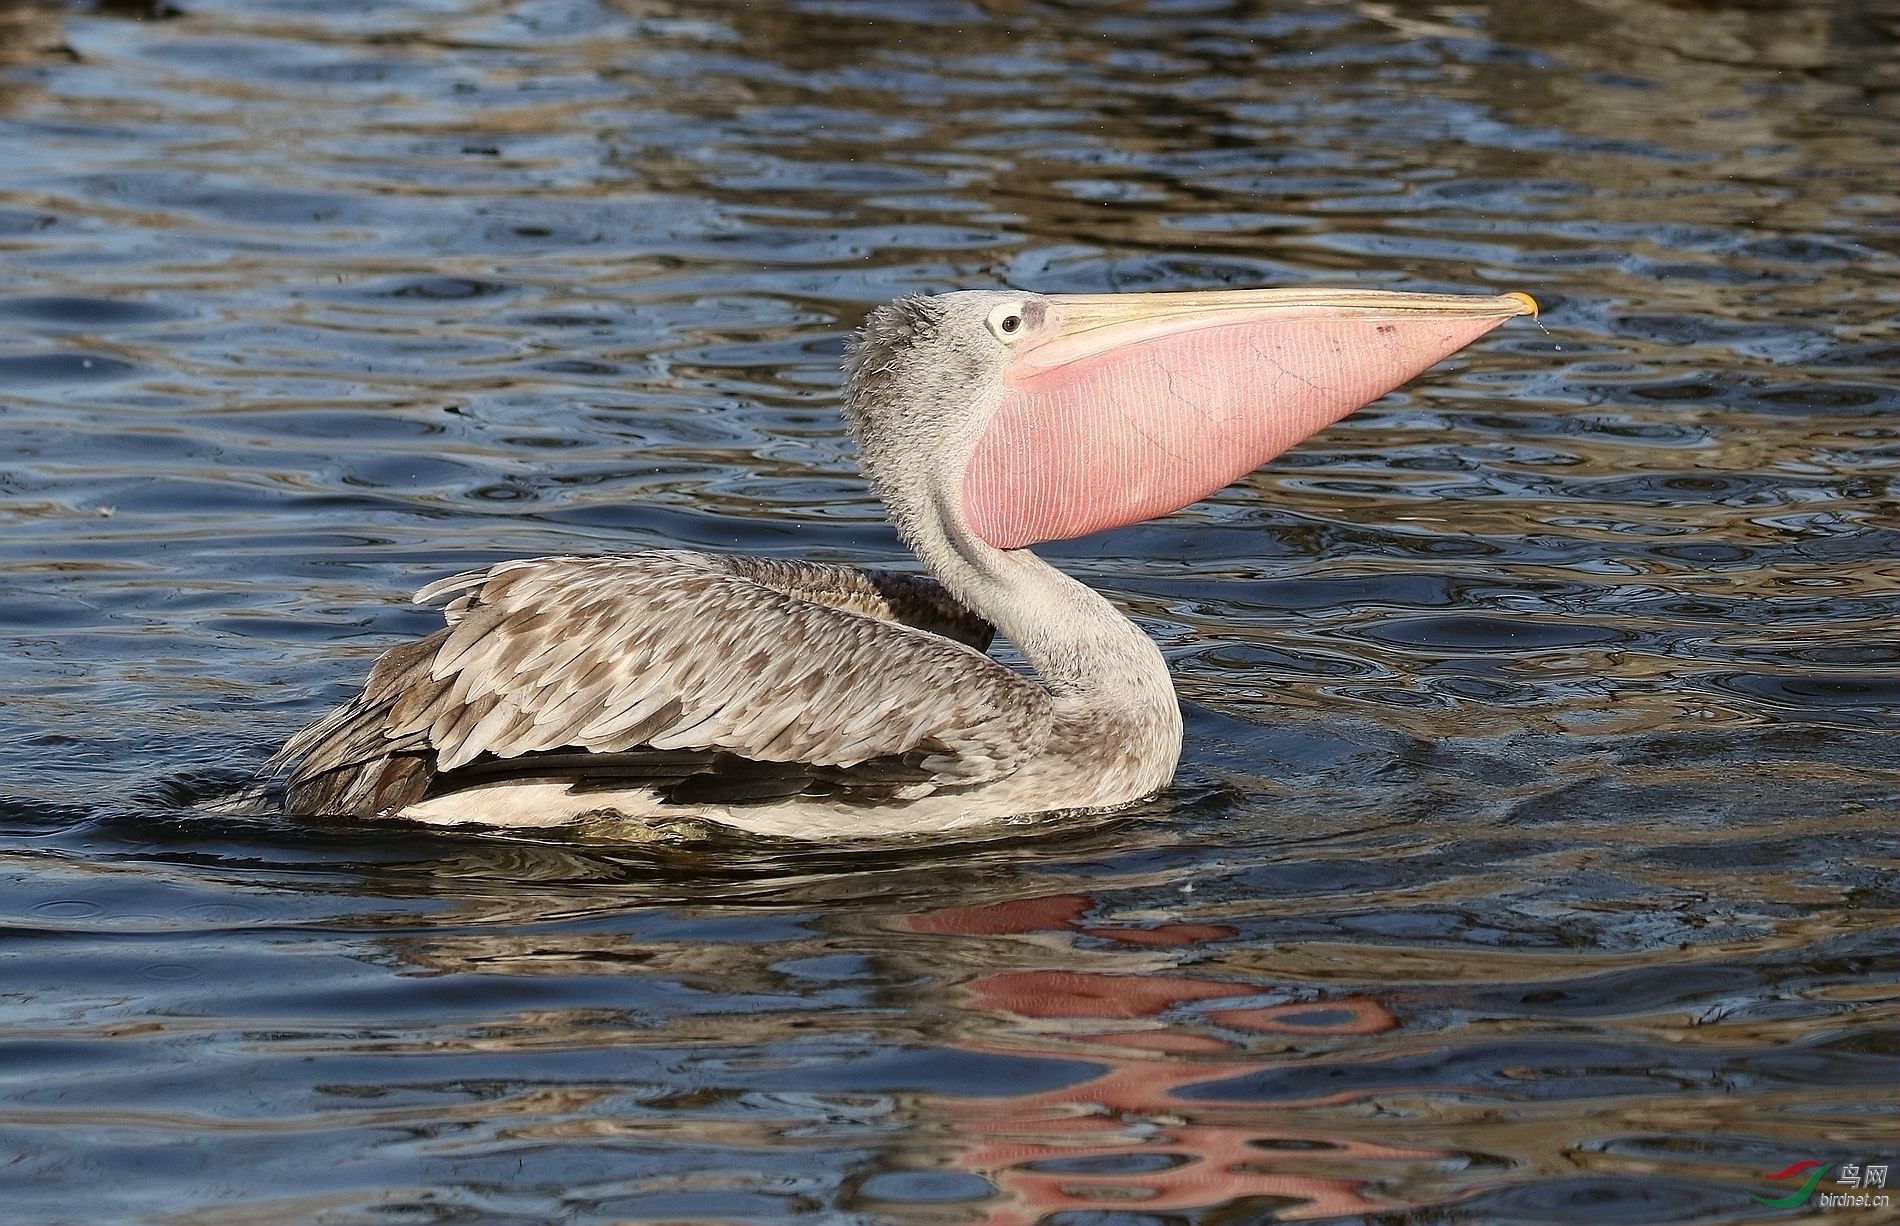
[
  {"x": 1085, "y": 325},
  {"x": 1120, "y": 407}
]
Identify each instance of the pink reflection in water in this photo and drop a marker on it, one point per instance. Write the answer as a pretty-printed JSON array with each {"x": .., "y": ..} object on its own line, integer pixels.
[{"x": 1082, "y": 1147}]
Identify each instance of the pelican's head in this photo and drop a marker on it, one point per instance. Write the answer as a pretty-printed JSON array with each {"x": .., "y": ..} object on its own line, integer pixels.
[{"x": 1019, "y": 418}]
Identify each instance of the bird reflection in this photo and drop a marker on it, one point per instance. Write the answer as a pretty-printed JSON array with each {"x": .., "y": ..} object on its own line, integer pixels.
[{"x": 1138, "y": 1134}]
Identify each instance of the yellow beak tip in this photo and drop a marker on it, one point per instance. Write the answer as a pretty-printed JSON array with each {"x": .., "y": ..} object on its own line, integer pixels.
[{"x": 1530, "y": 303}]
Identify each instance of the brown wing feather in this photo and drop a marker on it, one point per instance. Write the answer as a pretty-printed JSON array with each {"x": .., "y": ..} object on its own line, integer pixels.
[
  {"x": 759, "y": 659},
  {"x": 914, "y": 600}
]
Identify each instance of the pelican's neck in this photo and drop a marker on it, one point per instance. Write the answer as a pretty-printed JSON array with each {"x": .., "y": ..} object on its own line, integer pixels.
[{"x": 1088, "y": 654}]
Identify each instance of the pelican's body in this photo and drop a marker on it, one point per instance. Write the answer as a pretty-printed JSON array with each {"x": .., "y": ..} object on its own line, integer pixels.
[{"x": 827, "y": 702}]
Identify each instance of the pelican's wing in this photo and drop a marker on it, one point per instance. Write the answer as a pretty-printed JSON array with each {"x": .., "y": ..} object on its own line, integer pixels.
[
  {"x": 914, "y": 600},
  {"x": 669, "y": 664}
]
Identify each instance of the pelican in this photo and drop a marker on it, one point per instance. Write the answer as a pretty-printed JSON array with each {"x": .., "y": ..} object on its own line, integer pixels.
[{"x": 814, "y": 701}]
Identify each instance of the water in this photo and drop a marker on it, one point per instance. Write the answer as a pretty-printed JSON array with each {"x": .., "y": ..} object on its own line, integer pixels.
[{"x": 1532, "y": 858}]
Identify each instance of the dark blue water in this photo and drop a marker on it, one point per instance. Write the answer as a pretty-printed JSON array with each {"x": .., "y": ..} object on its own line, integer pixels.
[{"x": 1533, "y": 856}]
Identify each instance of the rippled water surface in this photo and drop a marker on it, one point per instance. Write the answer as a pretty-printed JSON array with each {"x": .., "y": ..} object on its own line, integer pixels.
[{"x": 1532, "y": 859}]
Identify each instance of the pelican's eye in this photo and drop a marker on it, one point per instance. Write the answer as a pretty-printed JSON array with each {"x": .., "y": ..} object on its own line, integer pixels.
[{"x": 1006, "y": 322}]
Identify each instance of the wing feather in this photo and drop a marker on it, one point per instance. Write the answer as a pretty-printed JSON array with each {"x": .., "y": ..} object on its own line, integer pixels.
[{"x": 669, "y": 650}]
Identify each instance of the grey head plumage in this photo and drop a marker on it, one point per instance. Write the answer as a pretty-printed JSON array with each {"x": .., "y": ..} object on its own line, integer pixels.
[{"x": 921, "y": 378}]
